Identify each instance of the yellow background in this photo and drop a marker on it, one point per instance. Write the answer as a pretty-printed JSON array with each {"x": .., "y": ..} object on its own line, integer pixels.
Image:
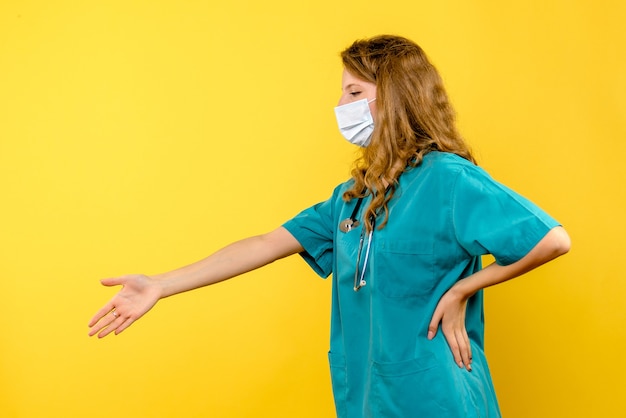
[{"x": 139, "y": 136}]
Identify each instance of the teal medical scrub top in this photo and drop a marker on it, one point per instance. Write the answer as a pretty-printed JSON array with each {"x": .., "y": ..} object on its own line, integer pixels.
[{"x": 445, "y": 214}]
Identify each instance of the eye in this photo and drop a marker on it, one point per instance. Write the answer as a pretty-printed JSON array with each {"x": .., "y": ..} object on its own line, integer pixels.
[{"x": 355, "y": 93}]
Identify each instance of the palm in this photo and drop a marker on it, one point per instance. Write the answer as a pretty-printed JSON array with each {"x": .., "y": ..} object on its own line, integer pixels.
[{"x": 138, "y": 295}]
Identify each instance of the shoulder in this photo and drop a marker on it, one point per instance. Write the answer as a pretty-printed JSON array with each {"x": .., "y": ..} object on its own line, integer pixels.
[
  {"x": 446, "y": 161},
  {"x": 447, "y": 165},
  {"x": 443, "y": 173}
]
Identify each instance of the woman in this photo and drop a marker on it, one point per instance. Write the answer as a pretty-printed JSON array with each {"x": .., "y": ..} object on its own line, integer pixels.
[{"x": 402, "y": 238}]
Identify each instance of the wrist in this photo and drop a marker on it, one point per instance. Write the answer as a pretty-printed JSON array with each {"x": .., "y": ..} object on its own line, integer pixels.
[
  {"x": 462, "y": 290},
  {"x": 161, "y": 283}
]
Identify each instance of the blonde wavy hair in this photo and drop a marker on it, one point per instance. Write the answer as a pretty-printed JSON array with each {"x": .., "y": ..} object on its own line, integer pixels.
[{"x": 413, "y": 117}]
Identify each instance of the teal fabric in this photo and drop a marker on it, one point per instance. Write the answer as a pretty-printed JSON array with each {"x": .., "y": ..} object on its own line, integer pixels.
[{"x": 445, "y": 214}]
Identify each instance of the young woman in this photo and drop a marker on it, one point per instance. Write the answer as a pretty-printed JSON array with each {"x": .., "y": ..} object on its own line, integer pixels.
[{"x": 403, "y": 239}]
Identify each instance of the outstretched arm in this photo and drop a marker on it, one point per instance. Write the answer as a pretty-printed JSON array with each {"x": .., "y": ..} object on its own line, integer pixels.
[
  {"x": 140, "y": 293},
  {"x": 450, "y": 311}
]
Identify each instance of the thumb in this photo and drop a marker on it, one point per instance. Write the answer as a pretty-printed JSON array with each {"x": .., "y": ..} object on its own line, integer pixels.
[
  {"x": 113, "y": 281},
  {"x": 434, "y": 325}
]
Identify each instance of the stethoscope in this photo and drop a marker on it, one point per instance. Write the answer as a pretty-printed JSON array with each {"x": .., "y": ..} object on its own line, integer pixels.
[{"x": 346, "y": 226}]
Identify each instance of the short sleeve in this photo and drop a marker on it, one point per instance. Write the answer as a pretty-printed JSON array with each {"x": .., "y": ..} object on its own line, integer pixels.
[
  {"x": 490, "y": 218},
  {"x": 313, "y": 229}
]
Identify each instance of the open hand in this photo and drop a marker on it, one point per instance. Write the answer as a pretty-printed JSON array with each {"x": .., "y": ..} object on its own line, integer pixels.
[{"x": 138, "y": 295}]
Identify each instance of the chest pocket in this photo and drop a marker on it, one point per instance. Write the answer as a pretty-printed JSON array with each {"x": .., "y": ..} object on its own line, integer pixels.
[{"x": 405, "y": 268}]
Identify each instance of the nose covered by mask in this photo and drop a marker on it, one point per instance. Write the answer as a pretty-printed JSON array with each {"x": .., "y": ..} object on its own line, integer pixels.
[{"x": 355, "y": 121}]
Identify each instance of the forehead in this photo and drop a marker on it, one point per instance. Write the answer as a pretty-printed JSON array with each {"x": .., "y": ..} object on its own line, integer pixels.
[{"x": 348, "y": 79}]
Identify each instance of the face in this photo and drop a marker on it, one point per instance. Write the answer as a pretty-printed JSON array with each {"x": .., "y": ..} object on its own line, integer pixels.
[{"x": 353, "y": 89}]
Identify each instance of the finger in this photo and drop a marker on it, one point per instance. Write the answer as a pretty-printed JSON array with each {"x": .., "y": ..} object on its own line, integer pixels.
[
  {"x": 101, "y": 313},
  {"x": 106, "y": 331},
  {"x": 101, "y": 324},
  {"x": 469, "y": 346},
  {"x": 464, "y": 349},
  {"x": 454, "y": 346},
  {"x": 458, "y": 347},
  {"x": 124, "y": 325},
  {"x": 104, "y": 322},
  {"x": 98, "y": 327},
  {"x": 113, "y": 321},
  {"x": 115, "y": 281}
]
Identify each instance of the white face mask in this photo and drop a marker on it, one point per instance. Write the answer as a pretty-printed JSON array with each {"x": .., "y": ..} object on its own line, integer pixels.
[{"x": 355, "y": 121}]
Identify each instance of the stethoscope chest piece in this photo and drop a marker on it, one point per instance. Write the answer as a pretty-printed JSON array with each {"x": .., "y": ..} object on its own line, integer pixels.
[{"x": 348, "y": 224}]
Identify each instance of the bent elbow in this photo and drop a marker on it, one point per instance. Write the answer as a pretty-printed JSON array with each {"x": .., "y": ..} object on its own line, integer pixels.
[{"x": 561, "y": 242}]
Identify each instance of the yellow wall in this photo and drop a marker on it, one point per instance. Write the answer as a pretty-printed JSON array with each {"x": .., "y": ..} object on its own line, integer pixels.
[{"x": 140, "y": 136}]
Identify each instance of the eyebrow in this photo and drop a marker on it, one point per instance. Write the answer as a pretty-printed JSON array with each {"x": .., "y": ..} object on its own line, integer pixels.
[{"x": 352, "y": 85}]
